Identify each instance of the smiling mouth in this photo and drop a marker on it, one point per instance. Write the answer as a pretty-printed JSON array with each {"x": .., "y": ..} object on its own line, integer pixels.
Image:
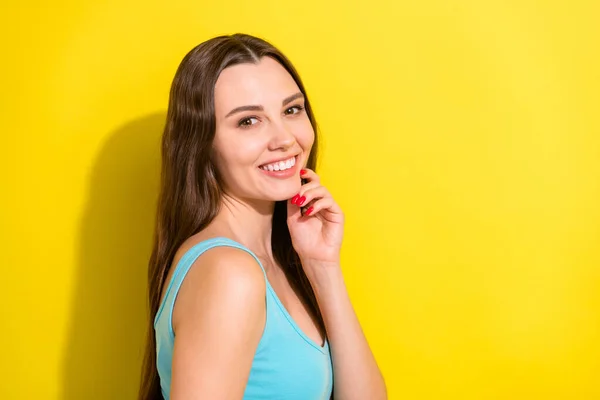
[{"x": 280, "y": 165}]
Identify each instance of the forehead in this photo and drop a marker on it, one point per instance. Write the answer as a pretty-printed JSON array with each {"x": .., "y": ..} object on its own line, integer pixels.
[{"x": 266, "y": 83}]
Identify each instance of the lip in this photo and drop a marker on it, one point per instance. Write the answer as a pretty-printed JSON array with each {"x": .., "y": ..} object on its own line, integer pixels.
[
  {"x": 287, "y": 173},
  {"x": 280, "y": 159}
]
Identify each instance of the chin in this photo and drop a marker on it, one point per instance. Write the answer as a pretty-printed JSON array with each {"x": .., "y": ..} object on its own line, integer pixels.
[{"x": 284, "y": 195}]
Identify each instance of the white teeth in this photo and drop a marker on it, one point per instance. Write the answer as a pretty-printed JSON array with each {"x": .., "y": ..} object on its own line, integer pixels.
[{"x": 281, "y": 165}]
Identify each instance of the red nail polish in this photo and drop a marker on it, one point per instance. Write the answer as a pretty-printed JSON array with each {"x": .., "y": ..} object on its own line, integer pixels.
[
  {"x": 295, "y": 199},
  {"x": 301, "y": 200},
  {"x": 302, "y": 171},
  {"x": 308, "y": 211}
]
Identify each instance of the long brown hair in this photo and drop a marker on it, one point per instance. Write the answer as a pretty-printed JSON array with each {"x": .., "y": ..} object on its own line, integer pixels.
[{"x": 190, "y": 191}]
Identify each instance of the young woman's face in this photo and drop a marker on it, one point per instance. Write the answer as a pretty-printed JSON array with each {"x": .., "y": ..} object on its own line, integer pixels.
[{"x": 263, "y": 135}]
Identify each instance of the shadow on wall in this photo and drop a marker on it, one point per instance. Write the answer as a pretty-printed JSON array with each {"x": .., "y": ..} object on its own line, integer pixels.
[{"x": 108, "y": 322}]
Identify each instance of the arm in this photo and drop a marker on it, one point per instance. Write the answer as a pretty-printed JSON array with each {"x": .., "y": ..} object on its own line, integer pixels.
[
  {"x": 356, "y": 374},
  {"x": 218, "y": 320},
  {"x": 317, "y": 237}
]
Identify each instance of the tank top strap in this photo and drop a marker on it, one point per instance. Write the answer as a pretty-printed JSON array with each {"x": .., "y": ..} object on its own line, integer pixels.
[{"x": 182, "y": 268}]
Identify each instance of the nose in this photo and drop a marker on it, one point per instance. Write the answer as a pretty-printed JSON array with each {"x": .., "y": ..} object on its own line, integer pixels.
[{"x": 282, "y": 138}]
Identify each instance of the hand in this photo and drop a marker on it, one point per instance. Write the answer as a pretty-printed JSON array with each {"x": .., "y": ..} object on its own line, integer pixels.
[{"x": 316, "y": 235}]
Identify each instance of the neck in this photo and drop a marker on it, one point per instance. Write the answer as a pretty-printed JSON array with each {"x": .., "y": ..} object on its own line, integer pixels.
[{"x": 249, "y": 221}]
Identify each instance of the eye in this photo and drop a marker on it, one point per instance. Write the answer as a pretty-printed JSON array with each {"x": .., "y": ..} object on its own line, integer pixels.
[
  {"x": 247, "y": 122},
  {"x": 294, "y": 110}
]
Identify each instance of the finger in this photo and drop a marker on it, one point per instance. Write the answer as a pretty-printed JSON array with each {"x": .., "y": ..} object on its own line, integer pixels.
[
  {"x": 309, "y": 175},
  {"x": 312, "y": 181},
  {"x": 300, "y": 198},
  {"x": 311, "y": 194},
  {"x": 327, "y": 208},
  {"x": 293, "y": 211}
]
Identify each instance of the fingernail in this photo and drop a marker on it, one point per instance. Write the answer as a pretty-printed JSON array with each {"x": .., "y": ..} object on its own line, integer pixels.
[
  {"x": 295, "y": 199},
  {"x": 301, "y": 200},
  {"x": 302, "y": 171},
  {"x": 308, "y": 211}
]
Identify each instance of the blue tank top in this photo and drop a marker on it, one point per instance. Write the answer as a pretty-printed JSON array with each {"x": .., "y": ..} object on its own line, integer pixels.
[{"x": 287, "y": 364}]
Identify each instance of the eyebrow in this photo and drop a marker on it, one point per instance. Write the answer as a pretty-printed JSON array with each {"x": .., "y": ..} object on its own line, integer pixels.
[{"x": 285, "y": 101}]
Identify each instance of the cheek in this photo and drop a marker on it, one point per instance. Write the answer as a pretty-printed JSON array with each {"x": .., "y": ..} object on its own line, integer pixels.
[
  {"x": 305, "y": 135},
  {"x": 238, "y": 152}
]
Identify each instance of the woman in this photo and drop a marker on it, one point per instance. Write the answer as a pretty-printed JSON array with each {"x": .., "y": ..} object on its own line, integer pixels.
[{"x": 245, "y": 284}]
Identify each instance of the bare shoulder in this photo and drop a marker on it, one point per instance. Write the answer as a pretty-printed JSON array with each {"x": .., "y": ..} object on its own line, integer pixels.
[
  {"x": 223, "y": 279},
  {"x": 221, "y": 300},
  {"x": 227, "y": 268}
]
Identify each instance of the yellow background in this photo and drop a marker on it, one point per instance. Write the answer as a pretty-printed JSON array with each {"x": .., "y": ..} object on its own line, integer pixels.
[{"x": 462, "y": 139}]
